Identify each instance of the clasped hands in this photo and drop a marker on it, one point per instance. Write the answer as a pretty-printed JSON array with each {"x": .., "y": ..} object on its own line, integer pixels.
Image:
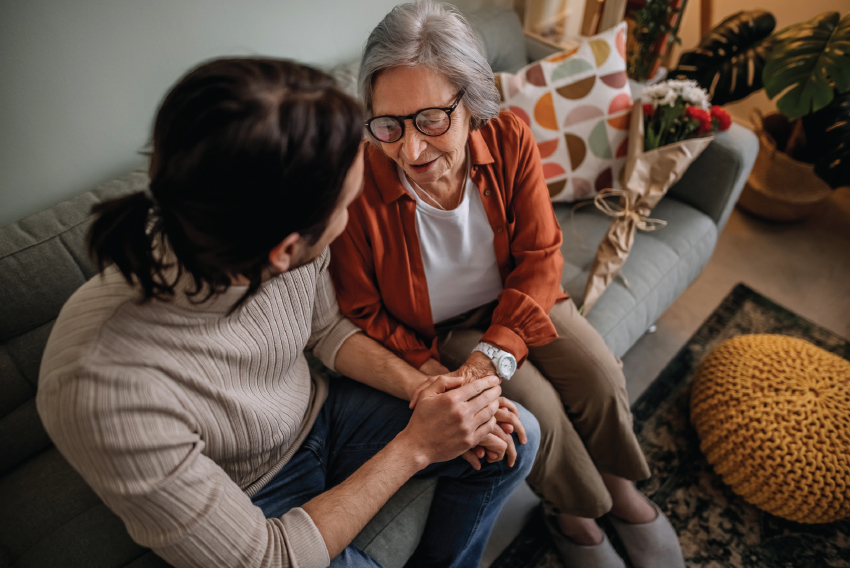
[{"x": 498, "y": 443}]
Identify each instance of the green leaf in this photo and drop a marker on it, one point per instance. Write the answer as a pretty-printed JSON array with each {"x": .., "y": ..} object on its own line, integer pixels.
[
  {"x": 828, "y": 135},
  {"x": 808, "y": 62},
  {"x": 728, "y": 61}
]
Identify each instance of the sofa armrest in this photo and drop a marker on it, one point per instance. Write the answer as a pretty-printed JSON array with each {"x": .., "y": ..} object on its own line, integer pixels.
[{"x": 714, "y": 181}]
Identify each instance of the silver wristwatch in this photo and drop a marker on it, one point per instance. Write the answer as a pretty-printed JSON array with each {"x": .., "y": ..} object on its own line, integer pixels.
[{"x": 504, "y": 362}]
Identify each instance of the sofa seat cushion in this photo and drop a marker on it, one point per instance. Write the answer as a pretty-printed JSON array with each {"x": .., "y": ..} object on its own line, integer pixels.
[
  {"x": 661, "y": 265},
  {"x": 393, "y": 533},
  {"x": 52, "y": 518}
]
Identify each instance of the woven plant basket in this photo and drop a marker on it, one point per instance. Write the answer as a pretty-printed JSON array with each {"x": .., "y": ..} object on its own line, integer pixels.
[{"x": 780, "y": 188}]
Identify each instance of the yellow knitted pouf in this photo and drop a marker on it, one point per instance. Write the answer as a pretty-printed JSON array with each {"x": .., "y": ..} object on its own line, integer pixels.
[{"x": 773, "y": 418}]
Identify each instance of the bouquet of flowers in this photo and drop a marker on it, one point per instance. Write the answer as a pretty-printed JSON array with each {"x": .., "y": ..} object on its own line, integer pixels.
[
  {"x": 670, "y": 127},
  {"x": 679, "y": 110}
]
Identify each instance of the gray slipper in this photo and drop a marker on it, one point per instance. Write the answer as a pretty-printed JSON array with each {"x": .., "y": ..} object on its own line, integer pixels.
[
  {"x": 574, "y": 555},
  {"x": 650, "y": 545}
]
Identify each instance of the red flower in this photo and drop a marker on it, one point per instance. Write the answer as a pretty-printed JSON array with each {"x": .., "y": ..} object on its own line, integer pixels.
[
  {"x": 701, "y": 116},
  {"x": 721, "y": 117},
  {"x": 648, "y": 110}
]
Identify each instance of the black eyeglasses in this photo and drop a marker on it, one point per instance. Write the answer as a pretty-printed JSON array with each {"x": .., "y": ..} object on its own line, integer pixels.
[{"x": 428, "y": 121}]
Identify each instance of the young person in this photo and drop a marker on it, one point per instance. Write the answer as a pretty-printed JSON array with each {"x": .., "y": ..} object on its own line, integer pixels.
[{"x": 176, "y": 383}]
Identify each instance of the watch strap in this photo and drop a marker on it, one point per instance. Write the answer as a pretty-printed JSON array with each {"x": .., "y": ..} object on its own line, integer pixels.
[{"x": 494, "y": 354}]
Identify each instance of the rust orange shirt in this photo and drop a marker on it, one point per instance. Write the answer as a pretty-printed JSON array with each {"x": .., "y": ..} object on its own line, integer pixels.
[{"x": 376, "y": 264}]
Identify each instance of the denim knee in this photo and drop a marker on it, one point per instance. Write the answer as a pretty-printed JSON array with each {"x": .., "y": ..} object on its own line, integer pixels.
[{"x": 528, "y": 451}]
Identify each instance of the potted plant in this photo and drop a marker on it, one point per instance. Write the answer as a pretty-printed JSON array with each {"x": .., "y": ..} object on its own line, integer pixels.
[
  {"x": 654, "y": 27},
  {"x": 804, "y": 149}
]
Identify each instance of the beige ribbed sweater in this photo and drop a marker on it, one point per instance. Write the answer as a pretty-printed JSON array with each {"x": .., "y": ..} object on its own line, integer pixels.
[{"x": 177, "y": 413}]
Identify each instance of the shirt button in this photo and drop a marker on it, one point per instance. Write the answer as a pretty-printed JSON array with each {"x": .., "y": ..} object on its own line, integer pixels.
[
  {"x": 487, "y": 192},
  {"x": 500, "y": 230}
]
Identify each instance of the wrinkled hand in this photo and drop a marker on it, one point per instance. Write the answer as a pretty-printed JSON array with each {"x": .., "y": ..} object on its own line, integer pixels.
[
  {"x": 508, "y": 419},
  {"x": 500, "y": 441},
  {"x": 477, "y": 365}
]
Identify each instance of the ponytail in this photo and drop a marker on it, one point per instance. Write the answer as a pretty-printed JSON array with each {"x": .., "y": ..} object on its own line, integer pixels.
[
  {"x": 122, "y": 233},
  {"x": 245, "y": 152}
]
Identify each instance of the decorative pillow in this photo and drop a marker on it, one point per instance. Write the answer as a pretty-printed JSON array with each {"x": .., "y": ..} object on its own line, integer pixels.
[{"x": 577, "y": 104}]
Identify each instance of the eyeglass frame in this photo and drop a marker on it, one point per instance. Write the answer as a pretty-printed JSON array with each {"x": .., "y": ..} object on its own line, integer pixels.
[{"x": 403, "y": 119}]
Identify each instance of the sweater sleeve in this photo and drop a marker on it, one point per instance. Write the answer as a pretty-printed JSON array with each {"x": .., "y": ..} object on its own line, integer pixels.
[
  {"x": 142, "y": 453},
  {"x": 330, "y": 328},
  {"x": 353, "y": 275},
  {"x": 533, "y": 286}
]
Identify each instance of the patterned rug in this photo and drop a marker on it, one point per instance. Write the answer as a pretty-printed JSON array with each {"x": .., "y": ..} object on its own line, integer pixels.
[{"x": 717, "y": 528}]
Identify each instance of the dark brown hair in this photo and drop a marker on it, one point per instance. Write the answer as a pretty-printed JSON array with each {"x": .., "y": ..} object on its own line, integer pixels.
[{"x": 245, "y": 152}]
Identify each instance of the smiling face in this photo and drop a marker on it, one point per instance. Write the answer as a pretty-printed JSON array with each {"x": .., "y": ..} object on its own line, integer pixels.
[{"x": 427, "y": 160}]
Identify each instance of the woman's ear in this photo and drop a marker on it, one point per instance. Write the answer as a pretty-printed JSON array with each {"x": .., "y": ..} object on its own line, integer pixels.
[{"x": 282, "y": 256}]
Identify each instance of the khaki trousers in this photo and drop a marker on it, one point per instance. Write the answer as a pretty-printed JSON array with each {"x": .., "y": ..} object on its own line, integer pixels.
[{"x": 576, "y": 388}]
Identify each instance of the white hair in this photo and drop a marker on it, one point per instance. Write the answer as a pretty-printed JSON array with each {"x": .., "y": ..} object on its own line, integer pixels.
[{"x": 437, "y": 36}]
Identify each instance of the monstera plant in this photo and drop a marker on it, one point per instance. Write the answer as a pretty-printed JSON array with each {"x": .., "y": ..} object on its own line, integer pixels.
[{"x": 804, "y": 67}]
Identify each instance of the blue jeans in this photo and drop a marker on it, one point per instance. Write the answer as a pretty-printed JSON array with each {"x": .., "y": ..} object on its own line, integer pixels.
[{"x": 356, "y": 422}]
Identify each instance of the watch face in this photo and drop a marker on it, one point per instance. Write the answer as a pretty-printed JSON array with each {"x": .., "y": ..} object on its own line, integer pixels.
[{"x": 507, "y": 366}]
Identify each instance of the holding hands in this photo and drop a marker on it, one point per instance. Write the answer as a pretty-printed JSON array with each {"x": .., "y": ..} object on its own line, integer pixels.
[
  {"x": 498, "y": 442},
  {"x": 462, "y": 415}
]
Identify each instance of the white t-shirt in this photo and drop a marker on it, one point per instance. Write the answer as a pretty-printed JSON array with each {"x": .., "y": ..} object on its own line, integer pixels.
[{"x": 457, "y": 251}]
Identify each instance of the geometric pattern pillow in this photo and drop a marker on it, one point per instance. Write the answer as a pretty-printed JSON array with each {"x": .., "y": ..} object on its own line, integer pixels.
[{"x": 577, "y": 104}]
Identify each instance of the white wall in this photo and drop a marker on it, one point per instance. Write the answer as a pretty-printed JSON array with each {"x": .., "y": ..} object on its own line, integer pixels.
[{"x": 80, "y": 80}]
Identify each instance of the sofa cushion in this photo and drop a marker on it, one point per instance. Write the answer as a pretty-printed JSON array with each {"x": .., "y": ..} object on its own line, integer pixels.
[
  {"x": 577, "y": 105},
  {"x": 392, "y": 535},
  {"x": 661, "y": 265},
  {"x": 52, "y": 518}
]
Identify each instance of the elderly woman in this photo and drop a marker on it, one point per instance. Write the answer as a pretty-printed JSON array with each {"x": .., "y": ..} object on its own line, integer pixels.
[{"x": 451, "y": 259}]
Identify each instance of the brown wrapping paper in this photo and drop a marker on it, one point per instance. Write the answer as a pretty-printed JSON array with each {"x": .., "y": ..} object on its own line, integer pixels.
[{"x": 648, "y": 176}]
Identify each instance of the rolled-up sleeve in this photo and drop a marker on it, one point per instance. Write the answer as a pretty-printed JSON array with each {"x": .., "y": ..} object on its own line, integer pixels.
[{"x": 533, "y": 284}]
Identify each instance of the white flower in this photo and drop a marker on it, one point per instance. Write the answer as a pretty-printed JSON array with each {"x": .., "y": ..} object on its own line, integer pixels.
[
  {"x": 697, "y": 97},
  {"x": 669, "y": 99},
  {"x": 659, "y": 95},
  {"x": 668, "y": 92}
]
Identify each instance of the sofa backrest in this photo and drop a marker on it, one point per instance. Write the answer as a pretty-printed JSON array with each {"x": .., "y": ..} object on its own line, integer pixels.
[
  {"x": 501, "y": 35},
  {"x": 42, "y": 262}
]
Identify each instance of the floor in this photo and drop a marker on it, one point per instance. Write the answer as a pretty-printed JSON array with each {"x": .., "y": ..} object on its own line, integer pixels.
[{"x": 804, "y": 267}]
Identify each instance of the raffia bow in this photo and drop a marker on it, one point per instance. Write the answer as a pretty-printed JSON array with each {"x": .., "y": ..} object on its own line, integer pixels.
[{"x": 625, "y": 209}]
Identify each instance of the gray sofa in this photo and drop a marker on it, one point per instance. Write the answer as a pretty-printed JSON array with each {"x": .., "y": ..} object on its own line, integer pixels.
[{"x": 49, "y": 517}]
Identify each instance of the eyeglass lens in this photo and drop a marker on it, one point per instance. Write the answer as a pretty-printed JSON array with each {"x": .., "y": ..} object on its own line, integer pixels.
[{"x": 431, "y": 122}]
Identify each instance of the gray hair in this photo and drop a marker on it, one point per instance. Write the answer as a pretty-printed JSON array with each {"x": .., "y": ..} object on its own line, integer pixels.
[{"x": 437, "y": 36}]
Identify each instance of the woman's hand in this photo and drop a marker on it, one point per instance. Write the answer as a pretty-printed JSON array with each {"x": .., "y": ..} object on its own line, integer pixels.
[
  {"x": 477, "y": 366},
  {"x": 497, "y": 444},
  {"x": 493, "y": 446},
  {"x": 508, "y": 419}
]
